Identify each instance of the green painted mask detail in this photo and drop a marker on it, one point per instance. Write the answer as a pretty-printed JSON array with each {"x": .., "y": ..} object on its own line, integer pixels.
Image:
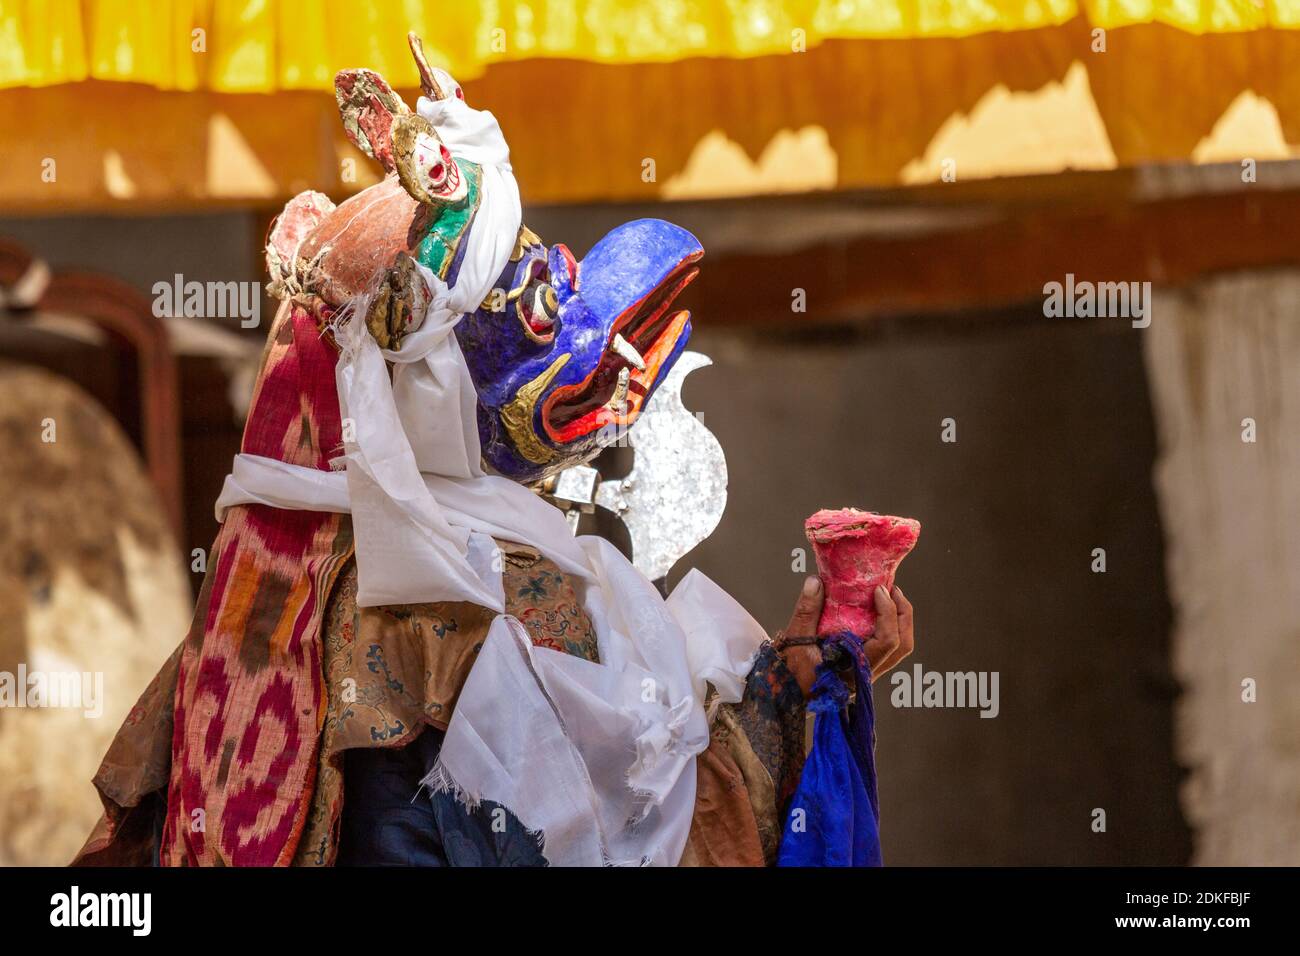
[{"x": 437, "y": 250}]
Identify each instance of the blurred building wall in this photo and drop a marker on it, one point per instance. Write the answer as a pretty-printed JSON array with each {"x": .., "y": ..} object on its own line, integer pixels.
[
  {"x": 1223, "y": 358},
  {"x": 142, "y": 250}
]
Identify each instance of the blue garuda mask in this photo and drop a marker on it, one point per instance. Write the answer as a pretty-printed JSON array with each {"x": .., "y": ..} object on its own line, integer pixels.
[{"x": 565, "y": 354}]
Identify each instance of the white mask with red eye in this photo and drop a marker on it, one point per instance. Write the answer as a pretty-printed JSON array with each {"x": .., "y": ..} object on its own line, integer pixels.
[
  {"x": 434, "y": 170},
  {"x": 442, "y": 172}
]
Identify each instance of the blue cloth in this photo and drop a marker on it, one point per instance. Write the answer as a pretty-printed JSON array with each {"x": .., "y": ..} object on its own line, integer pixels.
[
  {"x": 390, "y": 820},
  {"x": 834, "y": 815}
]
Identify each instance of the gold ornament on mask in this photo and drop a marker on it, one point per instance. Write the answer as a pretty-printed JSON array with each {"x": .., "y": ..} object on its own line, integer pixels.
[{"x": 517, "y": 416}]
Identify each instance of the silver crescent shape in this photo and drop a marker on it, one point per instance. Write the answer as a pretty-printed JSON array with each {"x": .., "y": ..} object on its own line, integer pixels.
[{"x": 676, "y": 492}]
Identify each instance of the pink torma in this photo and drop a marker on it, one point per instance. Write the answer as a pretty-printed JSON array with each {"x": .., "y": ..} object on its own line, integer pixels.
[{"x": 855, "y": 552}]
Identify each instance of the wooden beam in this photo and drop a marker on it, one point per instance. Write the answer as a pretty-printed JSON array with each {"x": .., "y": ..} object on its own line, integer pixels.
[{"x": 1004, "y": 259}]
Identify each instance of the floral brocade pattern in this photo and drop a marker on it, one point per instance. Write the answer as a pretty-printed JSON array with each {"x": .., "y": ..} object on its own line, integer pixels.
[
  {"x": 546, "y": 604},
  {"x": 391, "y": 670}
]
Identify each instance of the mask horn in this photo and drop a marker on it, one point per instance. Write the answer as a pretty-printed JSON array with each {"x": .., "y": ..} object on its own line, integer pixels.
[{"x": 428, "y": 82}]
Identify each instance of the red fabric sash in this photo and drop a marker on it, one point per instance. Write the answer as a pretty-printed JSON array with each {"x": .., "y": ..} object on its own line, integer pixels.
[{"x": 249, "y": 696}]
